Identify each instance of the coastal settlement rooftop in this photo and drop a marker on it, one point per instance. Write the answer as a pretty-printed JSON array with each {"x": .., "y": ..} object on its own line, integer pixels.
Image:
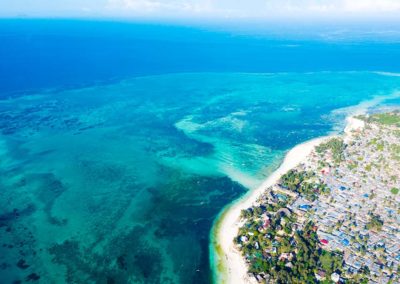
[{"x": 334, "y": 218}]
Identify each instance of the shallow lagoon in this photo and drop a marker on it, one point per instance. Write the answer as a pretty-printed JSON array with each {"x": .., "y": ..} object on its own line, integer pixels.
[{"x": 121, "y": 183}]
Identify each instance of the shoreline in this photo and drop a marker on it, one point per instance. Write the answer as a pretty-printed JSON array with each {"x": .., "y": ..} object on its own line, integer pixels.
[{"x": 230, "y": 266}]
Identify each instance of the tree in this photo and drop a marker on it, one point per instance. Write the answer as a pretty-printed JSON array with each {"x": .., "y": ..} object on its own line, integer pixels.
[{"x": 394, "y": 190}]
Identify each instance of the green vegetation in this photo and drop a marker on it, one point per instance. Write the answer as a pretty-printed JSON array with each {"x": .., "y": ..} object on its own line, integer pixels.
[
  {"x": 299, "y": 182},
  {"x": 380, "y": 147},
  {"x": 291, "y": 259},
  {"x": 272, "y": 245},
  {"x": 395, "y": 149},
  {"x": 336, "y": 146},
  {"x": 377, "y": 143},
  {"x": 375, "y": 222},
  {"x": 373, "y": 141},
  {"x": 394, "y": 190},
  {"x": 293, "y": 179},
  {"x": 386, "y": 118},
  {"x": 248, "y": 213},
  {"x": 352, "y": 166},
  {"x": 280, "y": 247},
  {"x": 255, "y": 211},
  {"x": 372, "y": 195}
]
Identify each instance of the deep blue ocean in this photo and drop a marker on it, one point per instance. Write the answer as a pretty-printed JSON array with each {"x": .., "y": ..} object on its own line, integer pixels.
[
  {"x": 37, "y": 54},
  {"x": 120, "y": 143}
]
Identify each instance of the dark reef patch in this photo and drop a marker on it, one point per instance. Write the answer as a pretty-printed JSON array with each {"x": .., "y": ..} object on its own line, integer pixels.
[
  {"x": 22, "y": 264},
  {"x": 125, "y": 257},
  {"x": 9, "y": 217},
  {"x": 49, "y": 189}
]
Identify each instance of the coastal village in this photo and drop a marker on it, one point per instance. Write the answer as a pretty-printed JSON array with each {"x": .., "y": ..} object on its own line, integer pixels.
[{"x": 335, "y": 217}]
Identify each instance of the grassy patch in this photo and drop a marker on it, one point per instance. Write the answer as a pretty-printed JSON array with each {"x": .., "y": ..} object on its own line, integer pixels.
[
  {"x": 395, "y": 149},
  {"x": 386, "y": 118}
]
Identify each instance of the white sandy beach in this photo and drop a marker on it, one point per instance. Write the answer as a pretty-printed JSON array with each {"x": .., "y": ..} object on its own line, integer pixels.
[
  {"x": 235, "y": 268},
  {"x": 229, "y": 226}
]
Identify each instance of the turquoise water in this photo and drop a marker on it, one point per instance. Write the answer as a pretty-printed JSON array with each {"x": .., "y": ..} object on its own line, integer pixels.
[{"x": 121, "y": 182}]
